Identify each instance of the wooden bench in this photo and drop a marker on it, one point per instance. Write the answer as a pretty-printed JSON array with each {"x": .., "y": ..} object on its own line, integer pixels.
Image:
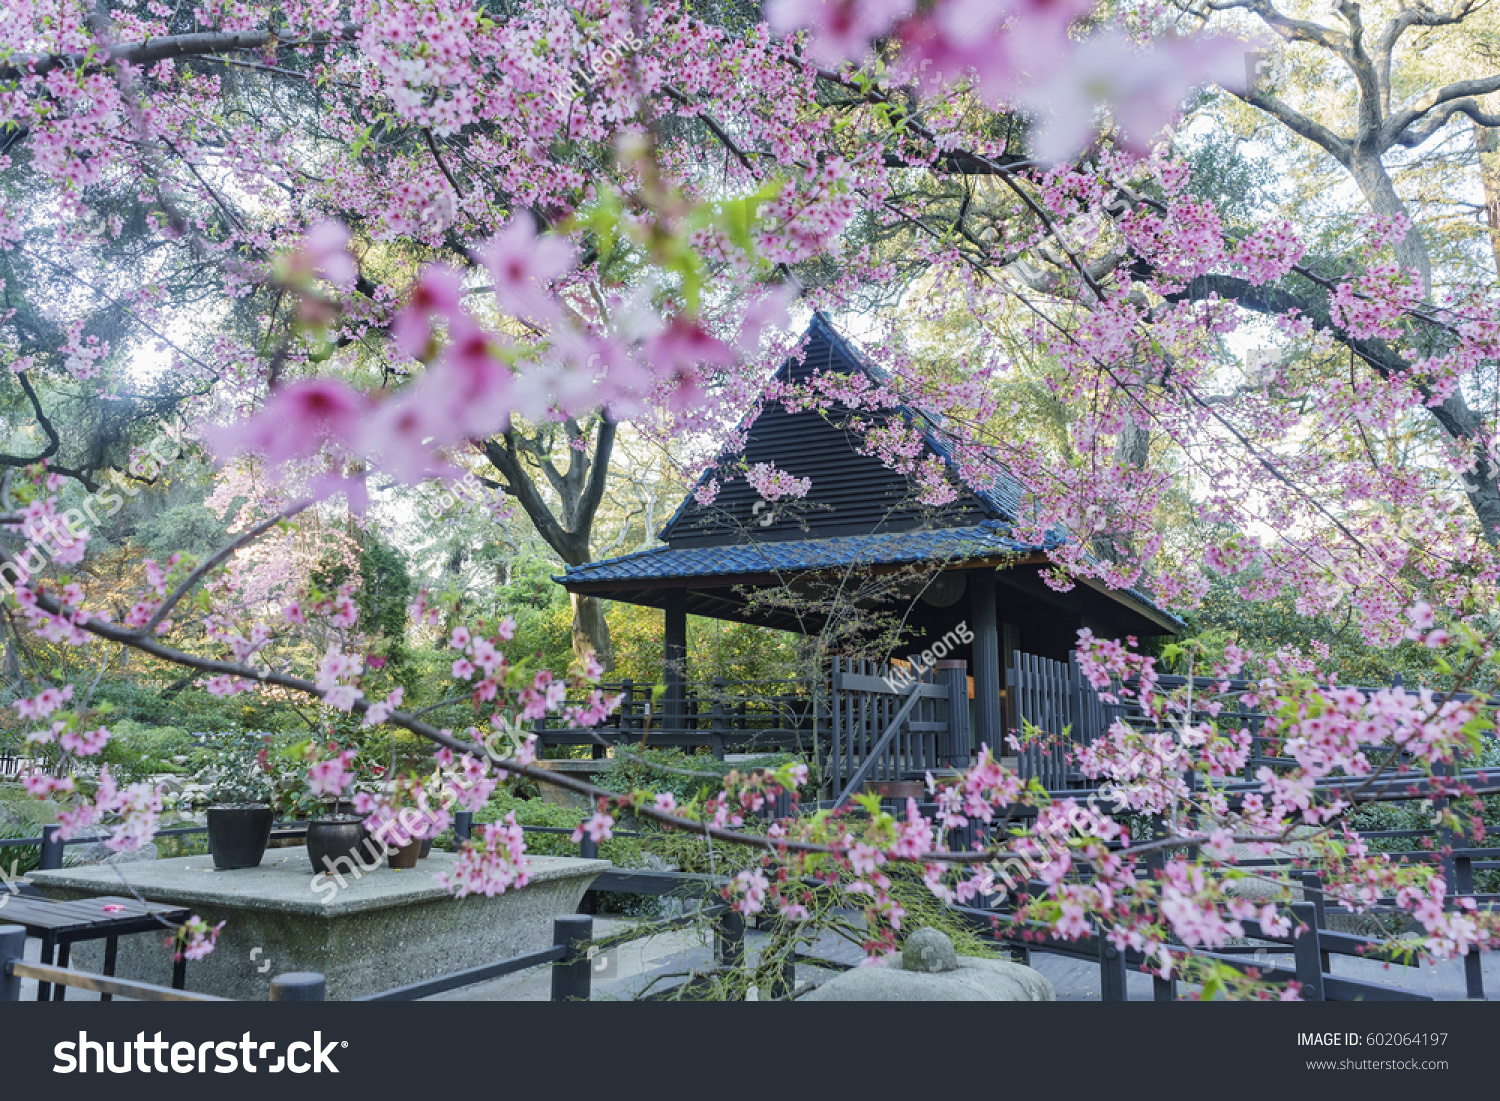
[{"x": 61, "y": 924}]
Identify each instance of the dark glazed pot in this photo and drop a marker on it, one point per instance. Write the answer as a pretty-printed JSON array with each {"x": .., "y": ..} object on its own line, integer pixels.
[
  {"x": 426, "y": 847},
  {"x": 336, "y": 845},
  {"x": 237, "y": 835}
]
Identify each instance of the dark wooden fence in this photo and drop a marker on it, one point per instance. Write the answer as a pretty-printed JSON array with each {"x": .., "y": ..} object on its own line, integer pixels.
[
  {"x": 865, "y": 722},
  {"x": 724, "y": 716},
  {"x": 1053, "y": 696}
]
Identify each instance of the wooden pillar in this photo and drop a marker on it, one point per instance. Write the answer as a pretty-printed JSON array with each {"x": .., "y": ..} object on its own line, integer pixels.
[
  {"x": 674, "y": 659},
  {"x": 956, "y": 744},
  {"x": 988, "y": 722}
]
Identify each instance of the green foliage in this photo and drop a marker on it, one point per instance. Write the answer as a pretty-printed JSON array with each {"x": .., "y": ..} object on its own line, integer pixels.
[
  {"x": 659, "y": 770},
  {"x": 234, "y": 766},
  {"x": 385, "y": 590},
  {"x": 153, "y": 705},
  {"x": 137, "y": 751},
  {"x": 21, "y": 815},
  {"x": 1267, "y": 625},
  {"x": 17, "y": 860},
  {"x": 181, "y": 529},
  {"x": 627, "y": 852}
]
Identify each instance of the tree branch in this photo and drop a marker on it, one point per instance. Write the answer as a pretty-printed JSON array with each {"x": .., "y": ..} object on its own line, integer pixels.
[
  {"x": 1454, "y": 98},
  {"x": 153, "y": 50}
]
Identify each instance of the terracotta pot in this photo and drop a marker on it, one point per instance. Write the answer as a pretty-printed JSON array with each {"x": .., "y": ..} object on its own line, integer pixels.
[
  {"x": 237, "y": 835},
  {"x": 406, "y": 856},
  {"x": 338, "y": 845}
]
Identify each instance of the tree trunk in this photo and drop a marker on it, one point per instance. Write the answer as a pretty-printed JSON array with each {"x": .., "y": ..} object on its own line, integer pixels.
[
  {"x": 580, "y": 487},
  {"x": 1374, "y": 182},
  {"x": 591, "y": 630},
  {"x": 1487, "y": 142}
]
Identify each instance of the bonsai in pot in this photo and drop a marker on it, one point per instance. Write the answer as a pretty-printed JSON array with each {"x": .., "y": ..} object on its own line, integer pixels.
[
  {"x": 336, "y": 841},
  {"x": 403, "y": 816},
  {"x": 239, "y": 819}
]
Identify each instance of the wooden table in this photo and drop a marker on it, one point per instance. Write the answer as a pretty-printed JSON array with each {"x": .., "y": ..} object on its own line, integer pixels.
[{"x": 60, "y": 924}]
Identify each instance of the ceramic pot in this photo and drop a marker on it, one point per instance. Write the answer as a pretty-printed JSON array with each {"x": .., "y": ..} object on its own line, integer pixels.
[
  {"x": 337, "y": 845},
  {"x": 238, "y": 834}
]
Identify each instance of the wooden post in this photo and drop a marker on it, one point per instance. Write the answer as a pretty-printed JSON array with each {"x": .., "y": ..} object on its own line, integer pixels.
[
  {"x": 957, "y": 743},
  {"x": 463, "y": 825},
  {"x": 674, "y": 658},
  {"x": 988, "y": 720},
  {"x": 1305, "y": 949},
  {"x": 299, "y": 986},
  {"x": 1113, "y": 982},
  {"x": 12, "y": 950},
  {"x": 571, "y": 977},
  {"x": 1010, "y": 642},
  {"x": 52, "y": 850},
  {"x": 1312, "y": 891},
  {"x": 1463, "y": 877},
  {"x": 718, "y": 721},
  {"x": 731, "y": 938}
]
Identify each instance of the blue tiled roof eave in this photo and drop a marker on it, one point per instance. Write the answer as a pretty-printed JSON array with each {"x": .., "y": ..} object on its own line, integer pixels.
[{"x": 796, "y": 555}]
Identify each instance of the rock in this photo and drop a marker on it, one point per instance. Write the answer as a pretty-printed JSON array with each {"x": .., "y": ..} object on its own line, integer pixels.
[
  {"x": 95, "y": 852},
  {"x": 974, "y": 980},
  {"x": 930, "y": 951}
]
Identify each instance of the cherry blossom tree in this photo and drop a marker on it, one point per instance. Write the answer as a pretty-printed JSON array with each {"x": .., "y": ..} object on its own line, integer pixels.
[{"x": 461, "y": 230}]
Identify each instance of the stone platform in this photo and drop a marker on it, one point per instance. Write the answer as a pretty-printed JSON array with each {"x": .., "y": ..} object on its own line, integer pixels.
[{"x": 381, "y": 930}]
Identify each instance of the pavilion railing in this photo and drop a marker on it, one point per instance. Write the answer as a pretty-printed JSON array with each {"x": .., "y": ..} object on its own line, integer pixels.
[{"x": 1052, "y": 696}]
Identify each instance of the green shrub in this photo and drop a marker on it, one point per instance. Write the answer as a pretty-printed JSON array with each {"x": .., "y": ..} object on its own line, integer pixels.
[
  {"x": 17, "y": 860},
  {"x": 137, "y": 750},
  {"x": 623, "y": 852},
  {"x": 653, "y": 771}
]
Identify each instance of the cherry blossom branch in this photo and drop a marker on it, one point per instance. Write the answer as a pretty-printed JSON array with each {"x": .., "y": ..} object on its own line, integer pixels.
[
  {"x": 218, "y": 558},
  {"x": 167, "y": 48}
]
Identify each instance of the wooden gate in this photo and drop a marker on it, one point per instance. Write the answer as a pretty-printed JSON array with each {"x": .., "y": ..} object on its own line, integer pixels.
[{"x": 890, "y": 723}]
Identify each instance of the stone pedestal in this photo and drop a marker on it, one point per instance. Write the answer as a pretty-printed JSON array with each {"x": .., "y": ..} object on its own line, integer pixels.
[
  {"x": 580, "y": 770},
  {"x": 383, "y": 929},
  {"x": 929, "y": 970}
]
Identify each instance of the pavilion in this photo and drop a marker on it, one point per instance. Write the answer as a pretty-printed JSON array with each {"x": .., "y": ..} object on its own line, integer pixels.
[{"x": 719, "y": 560}]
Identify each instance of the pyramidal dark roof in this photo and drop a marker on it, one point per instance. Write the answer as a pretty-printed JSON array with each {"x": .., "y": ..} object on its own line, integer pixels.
[{"x": 825, "y": 349}]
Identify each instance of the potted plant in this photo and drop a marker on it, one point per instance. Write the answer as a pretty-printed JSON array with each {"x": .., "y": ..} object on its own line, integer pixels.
[
  {"x": 239, "y": 819},
  {"x": 403, "y": 817},
  {"x": 336, "y": 841}
]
